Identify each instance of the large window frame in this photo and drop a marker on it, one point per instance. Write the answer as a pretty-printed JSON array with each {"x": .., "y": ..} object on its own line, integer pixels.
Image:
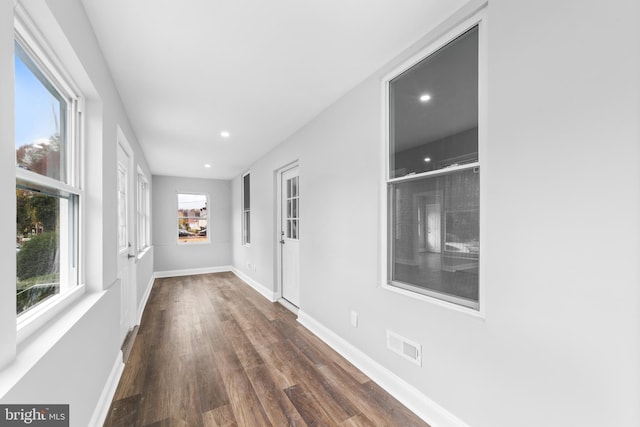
[
  {"x": 389, "y": 220},
  {"x": 197, "y": 236},
  {"x": 245, "y": 198},
  {"x": 67, "y": 187}
]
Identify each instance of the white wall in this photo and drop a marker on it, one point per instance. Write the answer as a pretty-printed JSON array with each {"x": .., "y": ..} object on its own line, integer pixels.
[
  {"x": 169, "y": 256},
  {"x": 144, "y": 279},
  {"x": 71, "y": 358},
  {"x": 559, "y": 344}
]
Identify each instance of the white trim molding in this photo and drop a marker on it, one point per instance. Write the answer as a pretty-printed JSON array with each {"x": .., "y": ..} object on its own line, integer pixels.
[
  {"x": 432, "y": 413},
  {"x": 260, "y": 288},
  {"x": 106, "y": 397},
  {"x": 145, "y": 298},
  {"x": 192, "y": 271}
]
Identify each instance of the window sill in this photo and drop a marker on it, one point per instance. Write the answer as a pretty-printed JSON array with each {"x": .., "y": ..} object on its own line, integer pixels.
[
  {"x": 208, "y": 242},
  {"x": 477, "y": 314},
  {"x": 40, "y": 315},
  {"x": 143, "y": 252}
]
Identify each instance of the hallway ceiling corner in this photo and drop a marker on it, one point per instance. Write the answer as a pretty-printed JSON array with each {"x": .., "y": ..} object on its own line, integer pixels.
[{"x": 188, "y": 70}]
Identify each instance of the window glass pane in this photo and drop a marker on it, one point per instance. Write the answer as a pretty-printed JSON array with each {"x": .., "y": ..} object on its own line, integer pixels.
[
  {"x": 433, "y": 121},
  {"x": 435, "y": 234},
  {"x": 295, "y": 208},
  {"x": 38, "y": 241},
  {"x": 40, "y": 120},
  {"x": 246, "y": 192},
  {"x": 294, "y": 189},
  {"x": 246, "y": 208},
  {"x": 247, "y": 230},
  {"x": 289, "y": 229},
  {"x": 192, "y": 218},
  {"x": 122, "y": 208},
  {"x": 295, "y": 229},
  {"x": 142, "y": 212}
]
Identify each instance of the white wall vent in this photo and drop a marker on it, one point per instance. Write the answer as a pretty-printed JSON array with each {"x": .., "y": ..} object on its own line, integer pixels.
[{"x": 404, "y": 347}]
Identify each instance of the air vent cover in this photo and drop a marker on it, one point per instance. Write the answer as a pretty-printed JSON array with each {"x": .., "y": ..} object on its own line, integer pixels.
[{"x": 404, "y": 347}]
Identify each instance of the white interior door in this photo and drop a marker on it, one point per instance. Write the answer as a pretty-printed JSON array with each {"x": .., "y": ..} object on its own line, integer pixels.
[
  {"x": 125, "y": 249},
  {"x": 290, "y": 235}
]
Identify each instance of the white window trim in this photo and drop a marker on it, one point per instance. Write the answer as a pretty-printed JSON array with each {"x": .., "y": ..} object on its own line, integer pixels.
[
  {"x": 480, "y": 19},
  {"x": 44, "y": 57},
  {"x": 243, "y": 210},
  {"x": 143, "y": 209},
  {"x": 208, "y": 241}
]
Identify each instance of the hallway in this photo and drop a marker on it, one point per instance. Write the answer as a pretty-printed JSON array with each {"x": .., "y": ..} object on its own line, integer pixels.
[{"x": 210, "y": 351}]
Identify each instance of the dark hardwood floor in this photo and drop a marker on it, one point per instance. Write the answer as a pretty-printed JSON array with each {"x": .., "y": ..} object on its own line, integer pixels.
[{"x": 210, "y": 351}]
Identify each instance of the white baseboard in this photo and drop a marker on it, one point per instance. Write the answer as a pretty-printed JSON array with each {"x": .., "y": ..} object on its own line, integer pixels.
[
  {"x": 408, "y": 395},
  {"x": 263, "y": 290},
  {"x": 145, "y": 298},
  {"x": 192, "y": 271},
  {"x": 109, "y": 390}
]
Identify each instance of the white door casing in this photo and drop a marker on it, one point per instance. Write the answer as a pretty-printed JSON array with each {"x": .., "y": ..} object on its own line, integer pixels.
[
  {"x": 290, "y": 235},
  {"x": 126, "y": 266}
]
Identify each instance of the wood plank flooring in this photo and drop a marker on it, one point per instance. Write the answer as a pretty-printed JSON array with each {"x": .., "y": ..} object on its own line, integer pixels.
[{"x": 210, "y": 351}]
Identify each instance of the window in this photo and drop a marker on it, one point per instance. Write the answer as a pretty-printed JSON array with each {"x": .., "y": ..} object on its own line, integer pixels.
[
  {"x": 293, "y": 208},
  {"x": 246, "y": 209},
  {"x": 47, "y": 185},
  {"x": 143, "y": 212},
  {"x": 433, "y": 176},
  {"x": 192, "y": 218}
]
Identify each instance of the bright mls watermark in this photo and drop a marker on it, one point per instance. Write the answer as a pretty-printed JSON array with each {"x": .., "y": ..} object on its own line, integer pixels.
[{"x": 34, "y": 415}]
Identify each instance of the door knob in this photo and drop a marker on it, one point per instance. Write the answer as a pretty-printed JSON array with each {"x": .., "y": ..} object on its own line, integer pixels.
[{"x": 282, "y": 242}]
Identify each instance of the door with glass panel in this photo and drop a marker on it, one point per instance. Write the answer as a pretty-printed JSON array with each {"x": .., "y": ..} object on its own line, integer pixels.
[
  {"x": 125, "y": 249},
  {"x": 290, "y": 235}
]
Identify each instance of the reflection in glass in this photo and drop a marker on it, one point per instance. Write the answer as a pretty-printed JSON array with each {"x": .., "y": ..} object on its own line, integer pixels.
[
  {"x": 247, "y": 227},
  {"x": 246, "y": 193},
  {"x": 37, "y": 246},
  {"x": 246, "y": 209},
  {"x": 40, "y": 120},
  {"x": 192, "y": 218},
  {"x": 434, "y": 110},
  {"x": 435, "y": 234}
]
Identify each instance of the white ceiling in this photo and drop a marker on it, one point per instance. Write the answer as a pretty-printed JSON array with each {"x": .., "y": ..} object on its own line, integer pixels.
[{"x": 188, "y": 69}]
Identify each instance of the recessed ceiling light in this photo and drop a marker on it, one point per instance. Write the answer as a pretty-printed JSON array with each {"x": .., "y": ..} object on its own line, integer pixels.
[
  {"x": 207, "y": 165},
  {"x": 427, "y": 159},
  {"x": 225, "y": 134},
  {"x": 425, "y": 97}
]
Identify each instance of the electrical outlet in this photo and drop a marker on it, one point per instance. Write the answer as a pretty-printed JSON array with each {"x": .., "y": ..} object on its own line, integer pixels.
[{"x": 354, "y": 319}]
